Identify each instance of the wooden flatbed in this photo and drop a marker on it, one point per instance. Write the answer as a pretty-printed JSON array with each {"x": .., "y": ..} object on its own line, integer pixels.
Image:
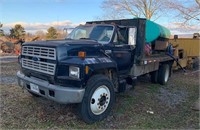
[{"x": 150, "y": 63}]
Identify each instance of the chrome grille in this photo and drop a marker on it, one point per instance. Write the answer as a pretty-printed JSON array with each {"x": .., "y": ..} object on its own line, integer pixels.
[
  {"x": 40, "y": 52},
  {"x": 48, "y": 68}
]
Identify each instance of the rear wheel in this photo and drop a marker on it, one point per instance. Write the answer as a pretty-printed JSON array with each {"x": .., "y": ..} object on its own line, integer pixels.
[
  {"x": 98, "y": 99},
  {"x": 163, "y": 74},
  {"x": 196, "y": 63},
  {"x": 154, "y": 76}
]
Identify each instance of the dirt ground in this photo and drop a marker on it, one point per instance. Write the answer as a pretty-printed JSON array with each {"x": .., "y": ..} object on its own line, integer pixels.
[{"x": 147, "y": 106}]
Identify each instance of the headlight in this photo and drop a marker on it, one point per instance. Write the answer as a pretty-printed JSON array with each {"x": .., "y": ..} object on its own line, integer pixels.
[{"x": 74, "y": 72}]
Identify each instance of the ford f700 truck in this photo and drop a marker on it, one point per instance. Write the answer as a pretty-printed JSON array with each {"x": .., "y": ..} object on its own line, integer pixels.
[{"x": 94, "y": 62}]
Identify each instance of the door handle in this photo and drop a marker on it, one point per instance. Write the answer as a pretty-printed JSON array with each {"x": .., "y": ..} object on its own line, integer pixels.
[
  {"x": 108, "y": 51},
  {"x": 119, "y": 45}
]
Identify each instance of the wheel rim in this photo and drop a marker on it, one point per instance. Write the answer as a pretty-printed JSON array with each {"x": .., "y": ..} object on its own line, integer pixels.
[
  {"x": 166, "y": 75},
  {"x": 100, "y": 100}
]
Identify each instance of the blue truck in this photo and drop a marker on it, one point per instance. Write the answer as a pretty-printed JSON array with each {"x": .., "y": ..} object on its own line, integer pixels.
[{"x": 95, "y": 61}]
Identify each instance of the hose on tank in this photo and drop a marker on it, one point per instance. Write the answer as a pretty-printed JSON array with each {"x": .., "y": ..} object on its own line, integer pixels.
[{"x": 175, "y": 59}]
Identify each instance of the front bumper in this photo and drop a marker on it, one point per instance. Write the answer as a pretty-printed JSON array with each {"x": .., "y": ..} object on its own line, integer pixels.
[{"x": 56, "y": 93}]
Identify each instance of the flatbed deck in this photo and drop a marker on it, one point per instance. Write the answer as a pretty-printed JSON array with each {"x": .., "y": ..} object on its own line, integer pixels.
[{"x": 156, "y": 58}]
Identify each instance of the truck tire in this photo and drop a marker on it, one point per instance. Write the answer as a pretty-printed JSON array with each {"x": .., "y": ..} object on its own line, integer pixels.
[
  {"x": 154, "y": 76},
  {"x": 163, "y": 74},
  {"x": 98, "y": 99},
  {"x": 196, "y": 63}
]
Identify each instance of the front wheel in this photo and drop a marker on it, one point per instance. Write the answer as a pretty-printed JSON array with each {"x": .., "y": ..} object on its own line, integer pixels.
[{"x": 98, "y": 99}]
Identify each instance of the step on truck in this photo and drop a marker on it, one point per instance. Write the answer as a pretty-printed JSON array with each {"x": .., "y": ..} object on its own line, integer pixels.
[{"x": 95, "y": 61}]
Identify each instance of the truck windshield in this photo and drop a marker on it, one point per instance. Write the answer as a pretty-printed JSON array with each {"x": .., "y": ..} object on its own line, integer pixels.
[{"x": 99, "y": 33}]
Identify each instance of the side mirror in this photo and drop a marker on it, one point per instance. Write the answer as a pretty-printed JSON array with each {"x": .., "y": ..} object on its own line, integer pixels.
[{"x": 132, "y": 34}]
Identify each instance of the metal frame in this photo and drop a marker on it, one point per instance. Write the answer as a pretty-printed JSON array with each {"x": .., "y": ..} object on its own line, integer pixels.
[
  {"x": 38, "y": 52},
  {"x": 44, "y": 67}
]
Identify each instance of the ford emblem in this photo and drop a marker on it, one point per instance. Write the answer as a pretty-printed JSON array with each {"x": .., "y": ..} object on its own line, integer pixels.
[{"x": 36, "y": 59}]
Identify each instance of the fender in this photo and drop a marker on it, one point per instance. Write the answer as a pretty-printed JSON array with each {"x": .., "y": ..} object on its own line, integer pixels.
[{"x": 98, "y": 64}]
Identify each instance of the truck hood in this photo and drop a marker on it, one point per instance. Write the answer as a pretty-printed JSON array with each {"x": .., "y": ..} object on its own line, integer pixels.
[
  {"x": 69, "y": 48},
  {"x": 55, "y": 43}
]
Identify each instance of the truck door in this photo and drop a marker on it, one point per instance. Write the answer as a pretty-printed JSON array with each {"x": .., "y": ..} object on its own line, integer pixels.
[{"x": 122, "y": 51}]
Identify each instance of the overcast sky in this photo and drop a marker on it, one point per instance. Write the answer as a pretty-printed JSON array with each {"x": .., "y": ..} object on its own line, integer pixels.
[{"x": 41, "y": 14}]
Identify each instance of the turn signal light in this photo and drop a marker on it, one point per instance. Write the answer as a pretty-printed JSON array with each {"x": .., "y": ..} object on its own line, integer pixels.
[
  {"x": 86, "y": 69},
  {"x": 82, "y": 54}
]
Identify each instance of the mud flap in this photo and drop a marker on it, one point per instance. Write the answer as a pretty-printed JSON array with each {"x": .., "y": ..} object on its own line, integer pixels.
[{"x": 122, "y": 86}]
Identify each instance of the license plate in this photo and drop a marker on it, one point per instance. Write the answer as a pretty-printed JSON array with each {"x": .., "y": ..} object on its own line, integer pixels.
[{"x": 34, "y": 88}]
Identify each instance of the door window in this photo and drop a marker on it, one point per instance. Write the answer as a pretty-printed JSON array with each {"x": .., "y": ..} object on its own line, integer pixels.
[
  {"x": 132, "y": 36},
  {"x": 122, "y": 35}
]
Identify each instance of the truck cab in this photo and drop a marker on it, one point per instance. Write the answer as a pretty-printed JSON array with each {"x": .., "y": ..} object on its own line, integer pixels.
[
  {"x": 113, "y": 40},
  {"x": 95, "y": 61}
]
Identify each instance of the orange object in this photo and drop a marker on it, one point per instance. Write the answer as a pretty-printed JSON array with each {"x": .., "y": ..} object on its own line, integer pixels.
[
  {"x": 86, "y": 69},
  {"x": 82, "y": 54},
  {"x": 17, "y": 52}
]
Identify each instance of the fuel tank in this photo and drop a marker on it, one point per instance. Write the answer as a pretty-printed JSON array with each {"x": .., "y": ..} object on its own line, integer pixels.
[{"x": 154, "y": 31}]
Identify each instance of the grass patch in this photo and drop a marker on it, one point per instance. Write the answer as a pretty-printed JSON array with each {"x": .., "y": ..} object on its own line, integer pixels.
[
  {"x": 153, "y": 88},
  {"x": 171, "y": 106}
]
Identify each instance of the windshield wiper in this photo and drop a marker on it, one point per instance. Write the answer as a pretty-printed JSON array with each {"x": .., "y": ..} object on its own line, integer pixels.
[{"x": 87, "y": 39}]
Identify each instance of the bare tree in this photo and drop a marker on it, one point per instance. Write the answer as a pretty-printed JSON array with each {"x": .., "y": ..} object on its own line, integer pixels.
[
  {"x": 133, "y": 8},
  {"x": 198, "y": 2},
  {"x": 61, "y": 34},
  {"x": 41, "y": 34},
  {"x": 187, "y": 11},
  {"x": 1, "y": 30}
]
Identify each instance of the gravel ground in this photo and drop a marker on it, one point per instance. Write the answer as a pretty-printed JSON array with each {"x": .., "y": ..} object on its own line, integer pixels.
[
  {"x": 147, "y": 106},
  {"x": 171, "y": 99},
  {"x": 8, "y": 59},
  {"x": 8, "y": 79},
  {"x": 7, "y": 54}
]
